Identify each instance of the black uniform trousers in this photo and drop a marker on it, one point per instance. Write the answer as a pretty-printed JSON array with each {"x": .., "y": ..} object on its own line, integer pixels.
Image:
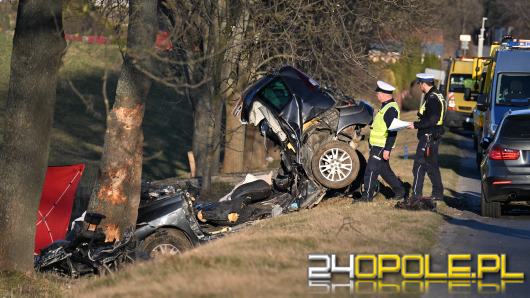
[
  {"x": 376, "y": 167},
  {"x": 427, "y": 165}
]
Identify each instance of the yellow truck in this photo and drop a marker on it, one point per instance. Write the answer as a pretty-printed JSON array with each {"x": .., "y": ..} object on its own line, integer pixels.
[
  {"x": 459, "y": 85},
  {"x": 483, "y": 70}
]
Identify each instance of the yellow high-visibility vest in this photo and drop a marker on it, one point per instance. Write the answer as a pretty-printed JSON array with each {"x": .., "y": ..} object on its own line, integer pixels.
[{"x": 379, "y": 132}]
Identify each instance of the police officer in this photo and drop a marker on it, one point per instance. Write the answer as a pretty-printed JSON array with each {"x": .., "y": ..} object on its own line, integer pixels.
[
  {"x": 381, "y": 142},
  {"x": 430, "y": 130}
]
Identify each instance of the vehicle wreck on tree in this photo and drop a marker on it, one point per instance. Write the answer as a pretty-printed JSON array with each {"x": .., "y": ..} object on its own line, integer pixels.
[{"x": 318, "y": 131}]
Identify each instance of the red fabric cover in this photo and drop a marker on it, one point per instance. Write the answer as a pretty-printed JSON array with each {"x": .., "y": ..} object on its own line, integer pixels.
[{"x": 56, "y": 204}]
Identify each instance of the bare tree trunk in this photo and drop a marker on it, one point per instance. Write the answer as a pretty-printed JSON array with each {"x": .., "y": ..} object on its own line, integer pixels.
[
  {"x": 38, "y": 46},
  {"x": 117, "y": 194},
  {"x": 207, "y": 139},
  {"x": 234, "y": 141},
  {"x": 255, "y": 153},
  {"x": 235, "y": 76}
]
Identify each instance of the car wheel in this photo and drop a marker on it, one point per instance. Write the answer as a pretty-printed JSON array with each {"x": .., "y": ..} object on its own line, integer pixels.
[
  {"x": 489, "y": 209},
  {"x": 166, "y": 242},
  {"x": 335, "y": 165}
]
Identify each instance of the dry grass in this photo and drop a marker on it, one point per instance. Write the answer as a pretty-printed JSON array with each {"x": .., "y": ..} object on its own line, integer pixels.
[
  {"x": 33, "y": 285},
  {"x": 270, "y": 257}
]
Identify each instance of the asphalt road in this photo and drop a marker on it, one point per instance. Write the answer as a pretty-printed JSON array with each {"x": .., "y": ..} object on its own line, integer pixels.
[{"x": 465, "y": 231}]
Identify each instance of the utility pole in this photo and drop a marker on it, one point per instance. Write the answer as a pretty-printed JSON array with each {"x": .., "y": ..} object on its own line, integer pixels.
[{"x": 481, "y": 38}]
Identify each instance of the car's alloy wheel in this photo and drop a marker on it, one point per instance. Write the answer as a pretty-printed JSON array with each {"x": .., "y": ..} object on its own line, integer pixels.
[
  {"x": 164, "y": 249},
  {"x": 165, "y": 242},
  {"x": 335, "y": 165}
]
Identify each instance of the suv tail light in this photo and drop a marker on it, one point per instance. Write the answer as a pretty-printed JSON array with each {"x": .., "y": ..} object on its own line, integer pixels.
[{"x": 500, "y": 153}]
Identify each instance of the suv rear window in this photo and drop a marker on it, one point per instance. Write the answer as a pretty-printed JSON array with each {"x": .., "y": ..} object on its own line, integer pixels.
[
  {"x": 276, "y": 94},
  {"x": 516, "y": 127}
]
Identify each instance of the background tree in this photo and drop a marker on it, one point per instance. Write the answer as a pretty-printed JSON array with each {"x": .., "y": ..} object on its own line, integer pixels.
[
  {"x": 117, "y": 193},
  {"x": 222, "y": 46},
  {"x": 38, "y": 46},
  {"x": 513, "y": 13}
]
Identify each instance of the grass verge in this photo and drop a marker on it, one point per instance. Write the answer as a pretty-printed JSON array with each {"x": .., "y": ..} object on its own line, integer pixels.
[
  {"x": 14, "y": 284},
  {"x": 270, "y": 257}
]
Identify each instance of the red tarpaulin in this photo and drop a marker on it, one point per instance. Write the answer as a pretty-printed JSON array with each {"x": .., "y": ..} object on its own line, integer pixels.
[{"x": 56, "y": 204}]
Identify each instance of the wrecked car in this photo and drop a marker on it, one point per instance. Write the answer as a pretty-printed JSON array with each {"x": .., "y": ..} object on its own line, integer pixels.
[
  {"x": 317, "y": 130},
  {"x": 166, "y": 223},
  {"x": 172, "y": 220}
]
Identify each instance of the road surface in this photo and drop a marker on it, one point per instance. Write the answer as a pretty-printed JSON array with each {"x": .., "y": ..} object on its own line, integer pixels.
[{"x": 465, "y": 231}]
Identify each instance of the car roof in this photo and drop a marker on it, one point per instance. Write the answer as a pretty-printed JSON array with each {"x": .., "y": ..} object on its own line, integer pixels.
[{"x": 513, "y": 61}]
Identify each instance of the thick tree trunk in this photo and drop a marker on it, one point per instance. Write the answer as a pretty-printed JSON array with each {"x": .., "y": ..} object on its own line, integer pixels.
[
  {"x": 38, "y": 46},
  {"x": 117, "y": 194}
]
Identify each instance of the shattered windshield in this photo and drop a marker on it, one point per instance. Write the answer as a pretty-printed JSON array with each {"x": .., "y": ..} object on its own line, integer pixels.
[
  {"x": 459, "y": 82},
  {"x": 513, "y": 89}
]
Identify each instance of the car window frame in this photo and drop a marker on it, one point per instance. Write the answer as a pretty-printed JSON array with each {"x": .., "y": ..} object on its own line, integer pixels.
[
  {"x": 264, "y": 99},
  {"x": 498, "y": 87}
]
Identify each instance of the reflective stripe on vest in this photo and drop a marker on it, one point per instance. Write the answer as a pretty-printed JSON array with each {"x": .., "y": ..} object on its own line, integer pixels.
[
  {"x": 441, "y": 99},
  {"x": 379, "y": 132}
]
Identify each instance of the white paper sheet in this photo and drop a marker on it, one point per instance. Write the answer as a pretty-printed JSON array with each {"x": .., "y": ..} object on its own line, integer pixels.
[{"x": 398, "y": 125}]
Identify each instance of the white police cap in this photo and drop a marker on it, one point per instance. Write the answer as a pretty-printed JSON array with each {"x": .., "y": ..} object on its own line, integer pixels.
[
  {"x": 384, "y": 87},
  {"x": 424, "y": 77}
]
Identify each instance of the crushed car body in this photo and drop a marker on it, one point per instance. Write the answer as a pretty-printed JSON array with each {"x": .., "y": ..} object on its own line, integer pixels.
[{"x": 317, "y": 130}]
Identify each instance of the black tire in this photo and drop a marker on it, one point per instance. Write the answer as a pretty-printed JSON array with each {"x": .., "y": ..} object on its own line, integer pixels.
[
  {"x": 489, "y": 209},
  {"x": 351, "y": 159},
  {"x": 165, "y": 242}
]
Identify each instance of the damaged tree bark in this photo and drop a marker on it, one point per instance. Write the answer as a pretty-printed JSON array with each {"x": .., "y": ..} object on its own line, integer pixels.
[
  {"x": 38, "y": 46},
  {"x": 117, "y": 194}
]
